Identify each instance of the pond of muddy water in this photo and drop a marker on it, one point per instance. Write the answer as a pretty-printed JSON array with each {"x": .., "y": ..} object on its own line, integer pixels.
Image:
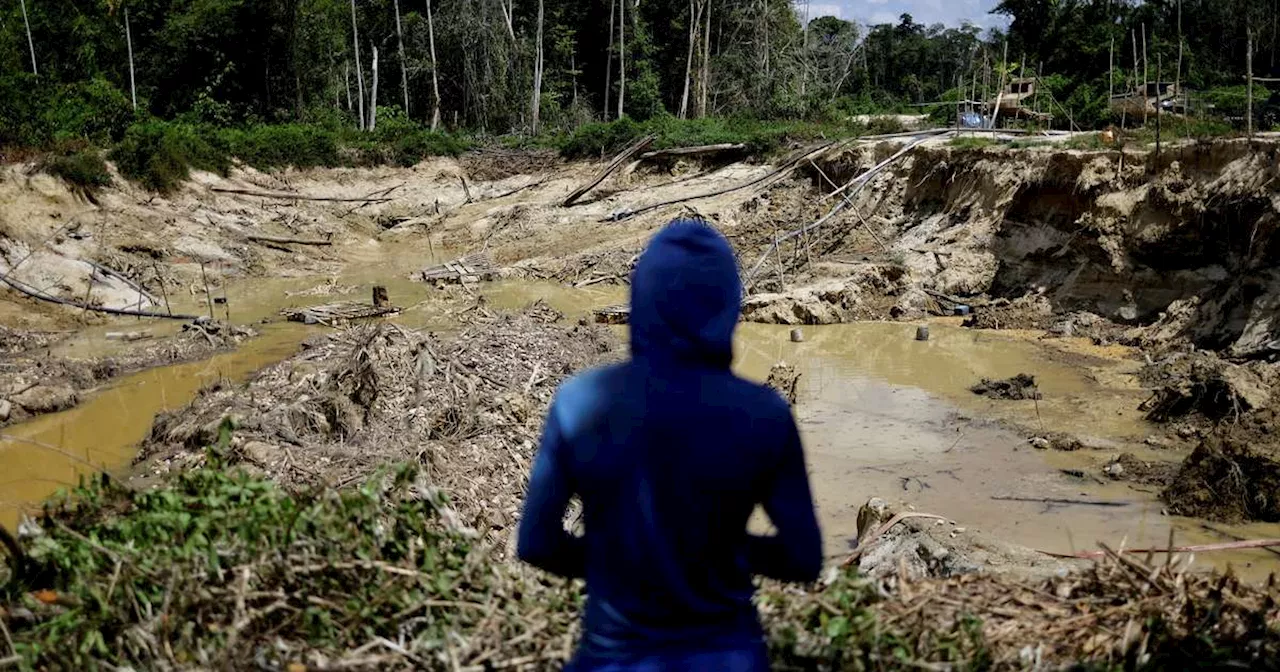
[{"x": 881, "y": 414}]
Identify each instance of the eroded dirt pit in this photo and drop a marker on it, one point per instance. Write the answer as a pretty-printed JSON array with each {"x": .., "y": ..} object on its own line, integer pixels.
[{"x": 1094, "y": 272}]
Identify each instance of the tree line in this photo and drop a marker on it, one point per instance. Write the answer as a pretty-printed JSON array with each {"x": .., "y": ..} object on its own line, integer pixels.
[{"x": 88, "y": 68}]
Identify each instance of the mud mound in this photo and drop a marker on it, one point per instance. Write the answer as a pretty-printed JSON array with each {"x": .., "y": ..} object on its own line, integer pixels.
[
  {"x": 14, "y": 341},
  {"x": 1028, "y": 312},
  {"x": 34, "y": 382},
  {"x": 1128, "y": 468},
  {"x": 1229, "y": 479},
  {"x": 1021, "y": 386},
  {"x": 1202, "y": 385},
  {"x": 470, "y": 407},
  {"x": 784, "y": 379}
]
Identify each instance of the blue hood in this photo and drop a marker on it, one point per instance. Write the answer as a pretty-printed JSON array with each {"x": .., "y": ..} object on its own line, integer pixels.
[{"x": 686, "y": 297}]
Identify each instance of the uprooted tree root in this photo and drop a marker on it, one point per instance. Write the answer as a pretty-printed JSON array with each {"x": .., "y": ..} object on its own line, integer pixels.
[{"x": 1228, "y": 477}]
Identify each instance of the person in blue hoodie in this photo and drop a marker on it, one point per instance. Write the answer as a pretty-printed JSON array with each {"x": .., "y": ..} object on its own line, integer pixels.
[{"x": 670, "y": 453}]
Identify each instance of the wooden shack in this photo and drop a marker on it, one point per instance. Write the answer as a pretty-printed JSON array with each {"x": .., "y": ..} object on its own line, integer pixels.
[
  {"x": 1144, "y": 100},
  {"x": 1018, "y": 100}
]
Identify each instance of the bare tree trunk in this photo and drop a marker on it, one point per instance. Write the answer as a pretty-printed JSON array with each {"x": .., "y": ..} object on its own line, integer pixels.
[
  {"x": 804, "y": 51},
  {"x": 704, "y": 81},
  {"x": 373, "y": 93},
  {"x": 30, "y": 43},
  {"x": 1177, "y": 78},
  {"x": 508, "y": 12},
  {"x": 346, "y": 81},
  {"x": 622, "y": 55},
  {"x": 435, "y": 77},
  {"x": 128, "y": 38},
  {"x": 536, "y": 103},
  {"x": 1111, "y": 71},
  {"x": 355, "y": 40},
  {"x": 694, "y": 19},
  {"x": 404, "y": 68},
  {"x": 1145, "y": 74},
  {"x": 1248, "y": 61},
  {"x": 608, "y": 61}
]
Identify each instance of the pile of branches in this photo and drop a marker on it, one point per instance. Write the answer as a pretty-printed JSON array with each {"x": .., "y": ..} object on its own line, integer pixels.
[
  {"x": 469, "y": 408},
  {"x": 1121, "y": 613}
]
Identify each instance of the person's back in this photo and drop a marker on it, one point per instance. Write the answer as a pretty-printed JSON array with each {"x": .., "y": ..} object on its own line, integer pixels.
[{"x": 670, "y": 453}]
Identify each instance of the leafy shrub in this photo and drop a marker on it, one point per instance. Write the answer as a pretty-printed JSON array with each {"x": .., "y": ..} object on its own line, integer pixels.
[
  {"x": 276, "y": 146},
  {"x": 94, "y": 110},
  {"x": 82, "y": 168},
  {"x": 592, "y": 140},
  {"x": 159, "y": 155}
]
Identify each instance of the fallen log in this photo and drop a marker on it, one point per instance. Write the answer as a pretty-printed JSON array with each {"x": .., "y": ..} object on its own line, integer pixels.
[
  {"x": 37, "y": 294},
  {"x": 688, "y": 151},
  {"x": 297, "y": 197},
  {"x": 608, "y": 170},
  {"x": 288, "y": 241},
  {"x": 775, "y": 174},
  {"x": 1056, "y": 500}
]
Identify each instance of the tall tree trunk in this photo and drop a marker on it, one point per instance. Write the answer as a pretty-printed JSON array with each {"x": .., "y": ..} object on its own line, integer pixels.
[
  {"x": 435, "y": 77},
  {"x": 373, "y": 93},
  {"x": 346, "y": 81},
  {"x": 355, "y": 40},
  {"x": 536, "y": 104},
  {"x": 1248, "y": 61},
  {"x": 128, "y": 38},
  {"x": 694, "y": 24},
  {"x": 1177, "y": 78},
  {"x": 1146, "y": 73},
  {"x": 804, "y": 52},
  {"x": 30, "y": 43},
  {"x": 404, "y": 67},
  {"x": 704, "y": 81},
  {"x": 622, "y": 55},
  {"x": 608, "y": 61}
]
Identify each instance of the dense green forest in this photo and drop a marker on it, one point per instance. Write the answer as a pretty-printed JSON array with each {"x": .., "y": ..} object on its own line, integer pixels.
[{"x": 92, "y": 70}]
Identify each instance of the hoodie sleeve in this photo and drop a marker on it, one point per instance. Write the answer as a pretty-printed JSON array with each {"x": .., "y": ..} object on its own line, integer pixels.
[
  {"x": 795, "y": 552},
  {"x": 543, "y": 541}
]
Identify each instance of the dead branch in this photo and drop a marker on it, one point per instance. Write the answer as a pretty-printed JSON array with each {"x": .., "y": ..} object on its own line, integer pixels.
[
  {"x": 297, "y": 197},
  {"x": 37, "y": 294},
  {"x": 608, "y": 170},
  {"x": 288, "y": 241},
  {"x": 1055, "y": 500},
  {"x": 688, "y": 151}
]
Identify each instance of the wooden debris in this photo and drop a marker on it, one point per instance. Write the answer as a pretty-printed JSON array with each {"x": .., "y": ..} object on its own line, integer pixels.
[
  {"x": 298, "y": 197},
  {"x": 618, "y": 161},
  {"x": 281, "y": 240},
  {"x": 613, "y": 314},
  {"x": 466, "y": 270},
  {"x": 689, "y": 151},
  {"x": 334, "y": 313}
]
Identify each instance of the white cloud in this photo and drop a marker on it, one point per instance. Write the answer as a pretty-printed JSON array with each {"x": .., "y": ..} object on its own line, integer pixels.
[
  {"x": 949, "y": 12},
  {"x": 817, "y": 11}
]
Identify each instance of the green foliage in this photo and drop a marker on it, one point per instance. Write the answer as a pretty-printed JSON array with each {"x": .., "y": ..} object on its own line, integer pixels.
[
  {"x": 972, "y": 142},
  {"x": 217, "y": 556},
  {"x": 760, "y": 137},
  {"x": 159, "y": 155},
  {"x": 274, "y": 146},
  {"x": 82, "y": 168}
]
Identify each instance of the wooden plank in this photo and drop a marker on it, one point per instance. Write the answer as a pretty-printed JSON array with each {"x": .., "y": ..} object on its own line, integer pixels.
[{"x": 617, "y": 162}]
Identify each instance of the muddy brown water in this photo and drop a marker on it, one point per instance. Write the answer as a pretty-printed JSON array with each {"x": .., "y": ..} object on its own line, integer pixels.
[{"x": 881, "y": 415}]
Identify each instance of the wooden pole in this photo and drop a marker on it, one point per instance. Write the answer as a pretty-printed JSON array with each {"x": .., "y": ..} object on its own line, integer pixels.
[
  {"x": 128, "y": 38},
  {"x": 1143, "y": 93},
  {"x": 435, "y": 76},
  {"x": 208, "y": 296},
  {"x": 355, "y": 40},
  {"x": 1004, "y": 66},
  {"x": 404, "y": 68},
  {"x": 163, "y": 291},
  {"x": 226, "y": 302}
]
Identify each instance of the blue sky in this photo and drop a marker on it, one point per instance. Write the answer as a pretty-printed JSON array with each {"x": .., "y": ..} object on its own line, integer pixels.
[{"x": 950, "y": 12}]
